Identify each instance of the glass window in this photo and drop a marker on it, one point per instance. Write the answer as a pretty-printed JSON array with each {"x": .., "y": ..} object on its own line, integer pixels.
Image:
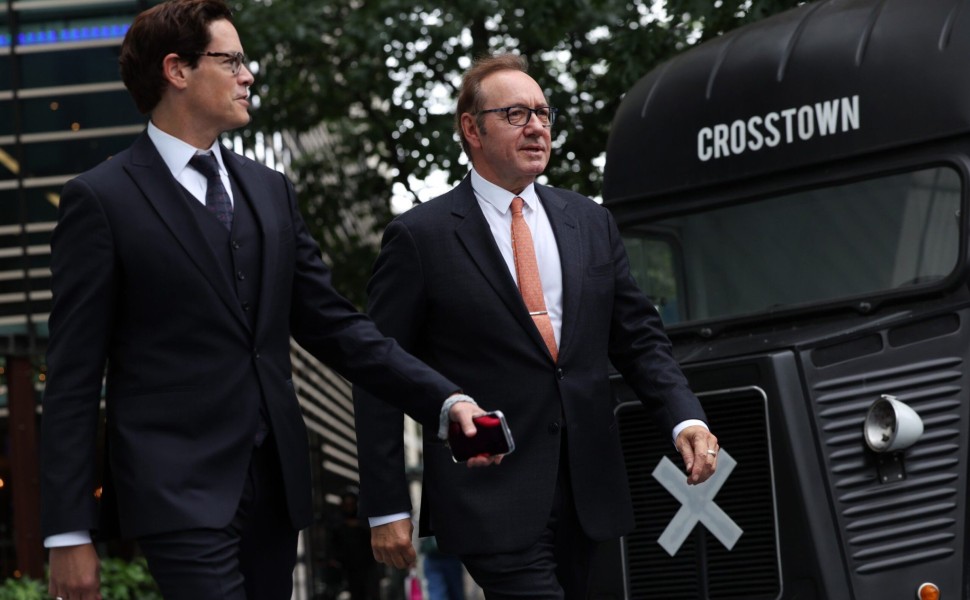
[
  {"x": 6, "y": 117},
  {"x": 6, "y": 69},
  {"x": 69, "y": 67},
  {"x": 653, "y": 266},
  {"x": 79, "y": 111},
  {"x": 41, "y": 205},
  {"x": 69, "y": 157},
  {"x": 814, "y": 246}
]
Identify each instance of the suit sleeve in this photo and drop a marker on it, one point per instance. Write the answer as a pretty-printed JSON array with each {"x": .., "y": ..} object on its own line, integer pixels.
[
  {"x": 640, "y": 349},
  {"x": 335, "y": 332},
  {"x": 397, "y": 303},
  {"x": 84, "y": 281}
]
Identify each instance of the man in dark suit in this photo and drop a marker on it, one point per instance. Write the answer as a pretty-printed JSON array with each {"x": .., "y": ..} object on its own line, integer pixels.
[
  {"x": 447, "y": 286},
  {"x": 188, "y": 279}
]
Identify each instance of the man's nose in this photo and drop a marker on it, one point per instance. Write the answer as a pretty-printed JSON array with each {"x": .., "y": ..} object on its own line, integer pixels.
[
  {"x": 534, "y": 126},
  {"x": 245, "y": 75}
]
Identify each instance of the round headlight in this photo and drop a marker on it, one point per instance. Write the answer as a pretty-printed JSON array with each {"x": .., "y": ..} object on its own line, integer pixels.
[{"x": 891, "y": 425}]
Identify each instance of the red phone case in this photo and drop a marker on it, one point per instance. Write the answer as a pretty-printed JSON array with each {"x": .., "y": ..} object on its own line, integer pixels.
[{"x": 493, "y": 438}]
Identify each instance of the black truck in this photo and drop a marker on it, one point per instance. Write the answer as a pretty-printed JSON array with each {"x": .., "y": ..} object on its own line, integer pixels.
[{"x": 793, "y": 196}]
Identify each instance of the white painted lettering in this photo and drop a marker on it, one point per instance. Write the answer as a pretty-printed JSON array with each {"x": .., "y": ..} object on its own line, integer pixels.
[
  {"x": 790, "y": 125},
  {"x": 788, "y": 113},
  {"x": 827, "y": 114},
  {"x": 737, "y": 137},
  {"x": 704, "y": 137},
  {"x": 775, "y": 136},
  {"x": 721, "y": 134},
  {"x": 806, "y": 123},
  {"x": 850, "y": 113},
  {"x": 756, "y": 138}
]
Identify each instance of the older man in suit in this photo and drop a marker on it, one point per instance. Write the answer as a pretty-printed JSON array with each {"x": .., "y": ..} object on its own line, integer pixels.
[
  {"x": 523, "y": 293},
  {"x": 186, "y": 268}
]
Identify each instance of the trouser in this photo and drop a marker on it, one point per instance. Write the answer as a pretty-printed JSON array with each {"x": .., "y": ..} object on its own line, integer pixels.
[
  {"x": 556, "y": 567},
  {"x": 252, "y": 558}
]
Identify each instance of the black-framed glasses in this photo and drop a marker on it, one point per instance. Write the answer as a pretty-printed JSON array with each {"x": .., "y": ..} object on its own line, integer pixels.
[
  {"x": 235, "y": 60},
  {"x": 519, "y": 116}
]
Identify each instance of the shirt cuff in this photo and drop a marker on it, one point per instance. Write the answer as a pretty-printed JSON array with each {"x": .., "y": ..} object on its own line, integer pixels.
[
  {"x": 444, "y": 420},
  {"x": 385, "y": 519},
  {"x": 685, "y": 424},
  {"x": 71, "y": 538}
]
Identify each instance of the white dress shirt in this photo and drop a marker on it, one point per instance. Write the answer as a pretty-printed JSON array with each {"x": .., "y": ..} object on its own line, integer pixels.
[
  {"x": 177, "y": 154},
  {"x": 496, "y": 204}
]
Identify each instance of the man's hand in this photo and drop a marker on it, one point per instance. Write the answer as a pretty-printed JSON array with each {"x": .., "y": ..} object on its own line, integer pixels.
[
  {"x": 463, "y": 413},
  {"x": 391, "y": 543},
  {"x": 698, "y": 446},
  {"x": 75, "y": 573}
]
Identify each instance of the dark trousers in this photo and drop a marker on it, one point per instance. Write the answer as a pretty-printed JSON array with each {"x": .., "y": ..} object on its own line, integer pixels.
[
  {"x": 556, "y": 567},
  {"x": 252, "y": 558}
]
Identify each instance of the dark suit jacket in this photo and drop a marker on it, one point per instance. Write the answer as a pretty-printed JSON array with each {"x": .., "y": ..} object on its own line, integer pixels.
[
  {"x": 442, "y": 289},
  {"x": 137, "y": 285}
]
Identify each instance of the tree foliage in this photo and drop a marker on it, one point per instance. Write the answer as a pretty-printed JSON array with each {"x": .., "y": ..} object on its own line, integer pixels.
[{"x": 364, "y": 91}]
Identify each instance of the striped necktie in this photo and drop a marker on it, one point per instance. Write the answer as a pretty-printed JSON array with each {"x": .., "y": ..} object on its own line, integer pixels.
[{"x": 216, "y": 197}]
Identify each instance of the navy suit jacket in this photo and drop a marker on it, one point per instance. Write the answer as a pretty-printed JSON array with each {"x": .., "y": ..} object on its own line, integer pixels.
[
  {"x": 138, "y": 287},
  {"x": 442, "y": 289}
]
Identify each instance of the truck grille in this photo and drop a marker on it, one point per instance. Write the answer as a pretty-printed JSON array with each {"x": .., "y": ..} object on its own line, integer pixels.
[
  {"x": 703, "y": 567},
  {"x": 910, "y": 516}
]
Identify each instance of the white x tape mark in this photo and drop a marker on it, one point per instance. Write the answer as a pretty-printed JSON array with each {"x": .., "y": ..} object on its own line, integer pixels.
[{"x": 697, "y": 504}]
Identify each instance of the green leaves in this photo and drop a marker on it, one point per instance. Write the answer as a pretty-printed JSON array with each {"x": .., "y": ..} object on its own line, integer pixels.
[
  {"x": 120, "y": 580},
  {"x": 377, "y": 80},
  {"x": 24, "y": 588}
]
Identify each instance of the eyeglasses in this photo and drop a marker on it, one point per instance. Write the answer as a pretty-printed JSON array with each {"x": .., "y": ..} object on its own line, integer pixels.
[
  {"x": 519, "y": 116},
  {"x": 235, "y": 60}
]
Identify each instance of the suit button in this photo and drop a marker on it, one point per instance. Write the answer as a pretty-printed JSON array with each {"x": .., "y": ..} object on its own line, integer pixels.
[
  {"x": 560, "y": 374},
  {"x": 245, "y": 306},
  {"x": 240, "y": 275},
  {"x": 554, "y": 428},
  {"x": 235, "y": 245}
]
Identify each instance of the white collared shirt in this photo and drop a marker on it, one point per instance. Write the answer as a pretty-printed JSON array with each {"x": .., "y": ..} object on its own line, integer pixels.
[
  {"x": 496, "y": 203},
  {"x": 177, "y": 154}
]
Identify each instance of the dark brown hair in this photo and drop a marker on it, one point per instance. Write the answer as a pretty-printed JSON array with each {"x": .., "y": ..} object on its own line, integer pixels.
[
  {"x": 470, "y": 92},
  {"x": 180, "y": 26}
]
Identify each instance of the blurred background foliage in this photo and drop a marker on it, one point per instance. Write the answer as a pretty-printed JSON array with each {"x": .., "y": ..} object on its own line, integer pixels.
[
  {"x": 363, "y": 92},
  {"x": 120, "y": 580}
]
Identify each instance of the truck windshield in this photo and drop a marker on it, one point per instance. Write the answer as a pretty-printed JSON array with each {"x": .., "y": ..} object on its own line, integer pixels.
[{"x": 813, "y": 246}]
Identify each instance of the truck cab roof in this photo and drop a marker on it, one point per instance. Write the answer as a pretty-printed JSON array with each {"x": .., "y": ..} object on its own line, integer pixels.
[{"x": 896, "y": 74}]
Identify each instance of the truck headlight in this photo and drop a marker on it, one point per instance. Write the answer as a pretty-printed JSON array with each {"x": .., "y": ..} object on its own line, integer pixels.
[{"x": 891, "y": 425}]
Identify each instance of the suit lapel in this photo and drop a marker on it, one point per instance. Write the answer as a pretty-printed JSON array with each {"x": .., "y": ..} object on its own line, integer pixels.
[
  {"x": 151, "y": 175},
  {"x": 474, "y": 233},
  {"x": 566, "y": 230}
]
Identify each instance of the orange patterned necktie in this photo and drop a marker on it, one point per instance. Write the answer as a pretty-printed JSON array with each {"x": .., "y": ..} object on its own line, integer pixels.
[{"x": 527, "y": 271}]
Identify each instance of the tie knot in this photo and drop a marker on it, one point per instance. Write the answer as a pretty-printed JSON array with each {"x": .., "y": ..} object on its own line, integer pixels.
[
  {"x": 205, "y": 164},
  {"x": 517, "y": 204}
]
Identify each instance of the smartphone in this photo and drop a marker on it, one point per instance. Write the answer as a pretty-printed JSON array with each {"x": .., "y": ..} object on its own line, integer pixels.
[{"x": 493, "y": 438}]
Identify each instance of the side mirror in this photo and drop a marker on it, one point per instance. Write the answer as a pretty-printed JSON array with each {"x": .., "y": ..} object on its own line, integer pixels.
[{"x": 891, "y": 426}]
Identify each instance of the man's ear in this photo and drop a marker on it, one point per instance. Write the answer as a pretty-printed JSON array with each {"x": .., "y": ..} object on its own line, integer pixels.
[
  {"x": 469, "y": 127},
  {"x": 174, "y": 70}
]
